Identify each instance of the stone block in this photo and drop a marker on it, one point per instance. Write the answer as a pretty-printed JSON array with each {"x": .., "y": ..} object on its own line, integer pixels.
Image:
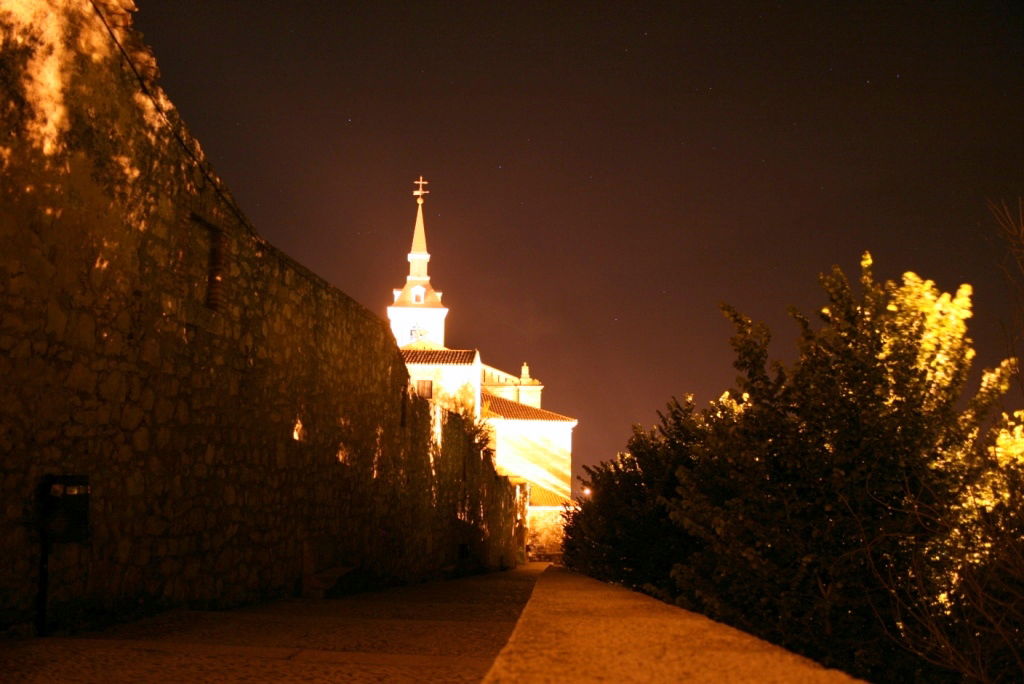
[
  {"x": 83, "y": 334},
  {"x": 123, "y": 551},
  {"x": 140, "y": 439},
  {"x": 163, "y": 411},
  {"x": 156, "y": 527},
  {"x": 113, "y": 344},
  {"x": 124, "y": 453},
  {"x": 134, "y": 485},
  {"x": 131, "y": 417},
  {"x": 56, "y": 318},
  {"x": 150, "y": 352},
  {"x": 123, "y": 322},
  {"x": 113, "y": 388},
  {"x": 147, "y": 399},
  {"x": 22, "y": 350}
]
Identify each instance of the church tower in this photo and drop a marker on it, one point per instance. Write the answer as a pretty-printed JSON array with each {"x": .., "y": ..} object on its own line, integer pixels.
[{"x": 417, "y": 315}]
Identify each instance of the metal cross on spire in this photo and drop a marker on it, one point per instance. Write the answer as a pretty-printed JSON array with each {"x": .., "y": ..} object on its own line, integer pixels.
[{"x": 420, "y": 192}]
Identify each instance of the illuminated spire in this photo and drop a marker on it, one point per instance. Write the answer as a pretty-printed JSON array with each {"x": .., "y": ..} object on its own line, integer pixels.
[
  {"x": 420, "y": 192},
  {"x": 418, "y": 255},
  {"x": 417, "y": 314}
]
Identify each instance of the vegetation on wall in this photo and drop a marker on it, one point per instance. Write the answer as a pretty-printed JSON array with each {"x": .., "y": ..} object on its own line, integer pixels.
[
  {"x": 481, "y": 503},
  {"x": 850, "y": 506}
]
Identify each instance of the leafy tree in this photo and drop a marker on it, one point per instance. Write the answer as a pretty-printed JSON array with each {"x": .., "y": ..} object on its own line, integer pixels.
[
  {"x": 833, "y": 472},
  {"x": 621, "y": 531},
  {"x": 845, "y": 506},
  {"x": 963, "y": 607},
  {"x": 1011, "y": 229}
]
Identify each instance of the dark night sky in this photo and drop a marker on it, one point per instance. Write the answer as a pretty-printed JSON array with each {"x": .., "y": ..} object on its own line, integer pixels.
[{"x": 603, "y": 175}]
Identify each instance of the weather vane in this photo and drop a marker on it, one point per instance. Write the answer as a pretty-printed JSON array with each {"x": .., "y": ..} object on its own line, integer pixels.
[{"x": 420, "y": 192}]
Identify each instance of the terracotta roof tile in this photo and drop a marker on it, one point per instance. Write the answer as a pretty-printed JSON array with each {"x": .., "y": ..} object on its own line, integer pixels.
[
  {"x": 539, "y": 496},
  {"x": 445, "y": 357},
  {"x": 513, "y": 410}
]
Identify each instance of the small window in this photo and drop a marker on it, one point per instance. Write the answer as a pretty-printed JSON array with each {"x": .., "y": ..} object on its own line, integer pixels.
[
  {"x": 214, "y": 263},
  {"x": 417, "y": 294},
  {"x": 425, "y": 388}
]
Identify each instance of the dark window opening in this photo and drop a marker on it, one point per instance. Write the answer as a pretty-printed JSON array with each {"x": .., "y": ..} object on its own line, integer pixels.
[
  {"x": 214, "y": 264},
  {"x": 425, "y": 388}
]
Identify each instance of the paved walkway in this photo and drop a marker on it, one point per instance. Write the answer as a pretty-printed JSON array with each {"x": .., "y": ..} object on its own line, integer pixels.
[
  {"x": 574, "y": 629},
  {"x": 435, "y": 632}
]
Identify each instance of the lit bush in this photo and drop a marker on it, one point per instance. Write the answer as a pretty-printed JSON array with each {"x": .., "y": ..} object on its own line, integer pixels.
[{"x": 844, "y": 506}]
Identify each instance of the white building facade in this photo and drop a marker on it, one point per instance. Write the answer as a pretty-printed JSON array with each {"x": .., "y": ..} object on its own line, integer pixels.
[{"x": 531, "y": 445}]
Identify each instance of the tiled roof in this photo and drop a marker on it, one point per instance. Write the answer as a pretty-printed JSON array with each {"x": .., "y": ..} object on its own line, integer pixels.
[
  {"x": 431, "y": 297},
  {"x": 513, "y": 410},
  {"x": 539, "y": 496},
  {"x": 445, "y": 357}
]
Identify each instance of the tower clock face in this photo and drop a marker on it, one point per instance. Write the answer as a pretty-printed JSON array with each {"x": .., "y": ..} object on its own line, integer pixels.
[{"x": 417, "y": 333}]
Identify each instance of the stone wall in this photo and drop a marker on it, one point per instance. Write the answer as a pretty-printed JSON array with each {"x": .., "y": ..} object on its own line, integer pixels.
[{"x": 243, "y": 425}]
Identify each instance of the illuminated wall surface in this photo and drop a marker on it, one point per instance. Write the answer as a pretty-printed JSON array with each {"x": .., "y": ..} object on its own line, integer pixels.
[
  {"x": 538, "y": 451},
  {"x": 522, "y": 389},
  {"x": 414, "y": 325},
  {"x": 536, "y": 446},
  {"x": 454, "y": 382},
  {"x": 242, "y": 424}
]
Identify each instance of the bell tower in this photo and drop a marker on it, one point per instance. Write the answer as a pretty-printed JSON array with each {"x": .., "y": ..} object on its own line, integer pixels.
[{"x": 417, "y": 314}]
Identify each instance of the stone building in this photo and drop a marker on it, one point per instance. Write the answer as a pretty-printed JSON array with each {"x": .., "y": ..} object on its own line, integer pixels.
[
  {"x": 532, "y": 445},
  {"x": 188, "y": 417}
]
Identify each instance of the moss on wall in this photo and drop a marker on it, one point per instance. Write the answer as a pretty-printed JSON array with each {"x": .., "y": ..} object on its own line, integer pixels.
[{"x": 243, "y": 424}]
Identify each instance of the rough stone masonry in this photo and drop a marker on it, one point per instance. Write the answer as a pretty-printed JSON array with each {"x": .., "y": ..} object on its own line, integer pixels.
[{"x": 242, "y": 425}]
